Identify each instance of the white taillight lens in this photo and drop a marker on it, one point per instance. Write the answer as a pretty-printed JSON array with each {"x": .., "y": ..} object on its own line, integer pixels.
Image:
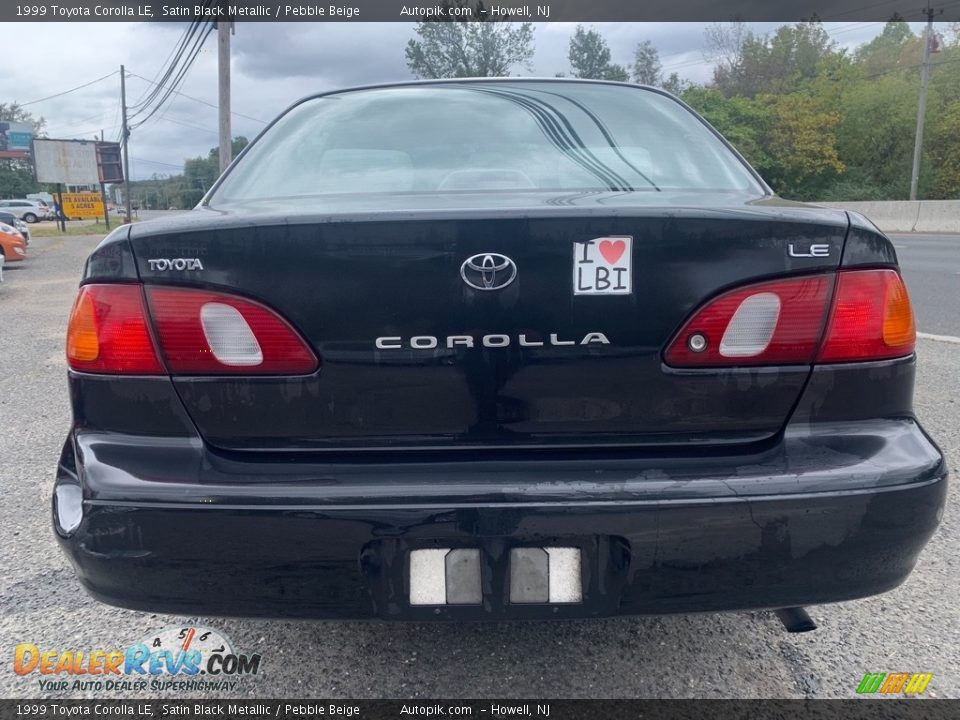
[
  {"x": 231, "y": 340},
  {"x": 202, "y": 332},
  {"x": 777, "y": 322},
  {"x": 751, "y": 328}
]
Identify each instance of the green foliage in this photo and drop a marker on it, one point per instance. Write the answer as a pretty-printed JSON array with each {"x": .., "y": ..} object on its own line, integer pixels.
[
  {"x": 803, "y": 141},
  {"x": 14, "y": 113},
  {"x": 647, "y": 69},
  {"x": 589, "y": 57},
  {"x": 944, "y": 153},
  {"x": 879, "y": 121},
  {"x": 469, "y": 48},
  {"x": 742, "y": 121},
  {"x": 186, "y": 190},
  {"x": 772, "y": 65},
  {"x": 16, "y": 179},
  {"x": 16, "y": 176},
  {"x": 819, "y": 122}
]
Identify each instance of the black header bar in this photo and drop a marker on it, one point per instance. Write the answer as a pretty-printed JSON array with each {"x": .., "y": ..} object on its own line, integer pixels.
[{"x": 505, "y": 10}]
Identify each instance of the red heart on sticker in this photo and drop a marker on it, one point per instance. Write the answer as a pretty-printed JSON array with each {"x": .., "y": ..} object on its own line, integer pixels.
[{"x": 612, "y": 250}]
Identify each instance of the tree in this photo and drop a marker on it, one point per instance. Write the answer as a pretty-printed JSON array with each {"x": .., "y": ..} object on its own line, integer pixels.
[
  {"x": 201, "y": 172},
  {"x": 673, "y": 84},
  {"x": 14, "y": 113},
  {"x": 748, "y": 64},
  {"x": 16, "y": 175},
  {"x": 647, "y": 69},
  {"x": 470, "y": 47},
  {"x": 789, "y": 139},
  {"x": 944, "y": 151},
  {"x": 742, "y": 121},
  {"x": 895, "y": 46},
  {"x": 724, "y": 47},
  {"x": 803, "y": 141},
  {"x": 590, "y": 57}
]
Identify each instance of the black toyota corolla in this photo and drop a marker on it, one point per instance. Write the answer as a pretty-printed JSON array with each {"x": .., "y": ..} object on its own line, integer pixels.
[{"x": 493, "y": 349}]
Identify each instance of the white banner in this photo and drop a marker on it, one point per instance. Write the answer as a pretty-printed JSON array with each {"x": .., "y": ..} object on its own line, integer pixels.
[{"x": 71, "y": 162}]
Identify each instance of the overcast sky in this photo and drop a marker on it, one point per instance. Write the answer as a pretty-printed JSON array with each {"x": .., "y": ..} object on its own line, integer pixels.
[{"x": 273, "y": 65}]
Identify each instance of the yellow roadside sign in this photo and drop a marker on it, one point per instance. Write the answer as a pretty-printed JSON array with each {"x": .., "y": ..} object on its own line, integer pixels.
[{"x": 82, "y": 205}]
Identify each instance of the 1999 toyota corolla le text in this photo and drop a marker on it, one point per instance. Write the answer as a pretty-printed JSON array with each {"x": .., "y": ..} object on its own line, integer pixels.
[{"x": 493, "y": 349}]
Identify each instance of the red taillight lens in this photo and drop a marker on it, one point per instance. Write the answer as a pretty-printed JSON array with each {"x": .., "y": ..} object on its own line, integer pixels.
[
  {"x": 209, "y": 333},
  {"x": 771, "y": 323},
  {"x": 108, "y": 332},
  {"x": 872, "y": 318}
]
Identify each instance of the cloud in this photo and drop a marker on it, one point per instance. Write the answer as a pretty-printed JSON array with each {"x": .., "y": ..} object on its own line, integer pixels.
[{"x": 273, "y": 65}]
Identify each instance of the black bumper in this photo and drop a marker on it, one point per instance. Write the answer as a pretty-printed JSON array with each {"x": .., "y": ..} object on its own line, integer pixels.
[{"x": 822, "y": 515}]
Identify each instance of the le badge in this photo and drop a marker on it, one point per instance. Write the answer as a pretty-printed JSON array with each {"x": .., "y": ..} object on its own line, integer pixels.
[{"x": 602, "y": 266}]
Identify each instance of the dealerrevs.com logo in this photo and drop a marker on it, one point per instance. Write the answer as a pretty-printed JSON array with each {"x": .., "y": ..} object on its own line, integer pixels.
[
  {"x": 894, "y": 683},
  {"x": 189, "y": 658}
]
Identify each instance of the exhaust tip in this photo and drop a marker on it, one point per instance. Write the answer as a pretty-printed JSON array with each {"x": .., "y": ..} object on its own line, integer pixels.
[{"x": 795, "y": 620}]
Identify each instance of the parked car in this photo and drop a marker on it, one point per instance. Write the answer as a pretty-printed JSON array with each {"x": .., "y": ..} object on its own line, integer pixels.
[
  {"x": 12, "y": 245},
  {"x": 11, "y": 220},
  {"x": 580, "y": 363},
  {"x": 30, "y": 211}
]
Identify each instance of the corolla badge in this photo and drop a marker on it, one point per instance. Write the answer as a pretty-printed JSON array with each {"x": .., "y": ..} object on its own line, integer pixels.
[{"x": 488, "y": 271}]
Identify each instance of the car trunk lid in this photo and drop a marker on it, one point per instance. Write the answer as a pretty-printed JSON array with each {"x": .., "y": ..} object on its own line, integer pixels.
[{"x": 414, "y": 355}]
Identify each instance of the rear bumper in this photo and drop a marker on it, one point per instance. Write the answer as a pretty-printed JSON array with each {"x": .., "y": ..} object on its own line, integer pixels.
[{"x": 830, "y": 514}]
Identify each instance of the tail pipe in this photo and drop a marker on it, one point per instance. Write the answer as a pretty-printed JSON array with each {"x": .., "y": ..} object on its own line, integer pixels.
[{"x": 796, "y": 620}]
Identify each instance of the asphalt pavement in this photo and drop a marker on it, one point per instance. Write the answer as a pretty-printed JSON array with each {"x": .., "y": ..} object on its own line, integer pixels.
[
  {"x": 915, "y": 628},
  {"x": 931, "y": 269}
]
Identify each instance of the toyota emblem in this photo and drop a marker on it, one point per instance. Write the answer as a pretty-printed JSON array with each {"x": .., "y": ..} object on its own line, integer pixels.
[{"x": 488, "y": 271}]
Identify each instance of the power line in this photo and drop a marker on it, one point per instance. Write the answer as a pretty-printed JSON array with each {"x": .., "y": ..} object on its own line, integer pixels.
[
  {"x": 67, "y": 92},
  {"x": 157, "y": 162},
  {"x": 166, "y": 63},
  {"x": 158, "y": 99},
  {"x": 91, "y": 131},
  {"x": 202, "y": 102},
  {"x": 84, "y": 121},
  {"x": 189, "y": 125},
  {"x": 175, "y": 70}
]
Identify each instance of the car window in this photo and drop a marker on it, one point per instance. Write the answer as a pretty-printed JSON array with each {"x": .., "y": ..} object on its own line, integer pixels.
[{"x": 481, "y": 137}]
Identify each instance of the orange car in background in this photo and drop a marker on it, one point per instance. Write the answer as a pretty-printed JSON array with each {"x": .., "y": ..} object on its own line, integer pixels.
[{"x": 13, "y": 247}]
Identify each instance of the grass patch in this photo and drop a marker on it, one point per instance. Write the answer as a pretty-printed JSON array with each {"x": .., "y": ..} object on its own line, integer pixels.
[{"x": 73, "y": 228}]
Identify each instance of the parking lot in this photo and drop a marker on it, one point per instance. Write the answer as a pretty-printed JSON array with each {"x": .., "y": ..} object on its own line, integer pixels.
[{"x": 915, "y": 628}]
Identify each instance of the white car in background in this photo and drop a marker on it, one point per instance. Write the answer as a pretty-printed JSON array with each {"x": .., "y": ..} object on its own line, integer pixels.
[{"x": 28, "y": 210}]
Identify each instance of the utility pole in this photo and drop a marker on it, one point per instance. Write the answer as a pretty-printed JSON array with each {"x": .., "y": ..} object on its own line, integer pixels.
[
  {"x": 224, "y": 27},
  {"x": 126, "y": 150},
  {"x": 922, "y": 108},
  {"x": 103, "y": 189}
]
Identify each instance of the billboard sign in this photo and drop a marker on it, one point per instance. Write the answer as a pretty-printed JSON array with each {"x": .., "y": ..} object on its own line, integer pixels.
[
  {"x": 71, "y": 162},
  {"x": 15, "y": 139},
  {"x": 82, "y": 205},
  {"x": 109, "y": 161}
]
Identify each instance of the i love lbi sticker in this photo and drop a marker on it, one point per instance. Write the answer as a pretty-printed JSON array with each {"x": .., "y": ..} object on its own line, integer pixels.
[{"x": 602, "y": 266}]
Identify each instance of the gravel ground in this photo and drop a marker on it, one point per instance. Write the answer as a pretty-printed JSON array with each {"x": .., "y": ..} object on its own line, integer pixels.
[{"x": 913, "y": 628}]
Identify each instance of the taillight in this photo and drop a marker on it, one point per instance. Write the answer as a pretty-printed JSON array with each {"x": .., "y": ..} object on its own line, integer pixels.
[
  {"x": 771, "y": 323},
  {"x": 109, "y": 332},
  {"x": 781, "y": 322},
  {"x": 872, "y": 318},
  {"x": 197, "y": 333},
  {"x": 211, "y": 333}
]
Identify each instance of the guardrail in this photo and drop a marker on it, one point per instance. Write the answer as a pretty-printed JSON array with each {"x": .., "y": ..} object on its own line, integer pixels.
[{"x": 908, "y": 216}]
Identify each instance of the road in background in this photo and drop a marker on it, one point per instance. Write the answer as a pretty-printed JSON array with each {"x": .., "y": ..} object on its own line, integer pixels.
[
  {"x": 931, "y": 268},
  {"x": 915, "y": 628}
]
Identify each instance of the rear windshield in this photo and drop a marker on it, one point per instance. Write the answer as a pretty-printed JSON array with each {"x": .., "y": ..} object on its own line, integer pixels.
[{"x": 485, "y": 137}]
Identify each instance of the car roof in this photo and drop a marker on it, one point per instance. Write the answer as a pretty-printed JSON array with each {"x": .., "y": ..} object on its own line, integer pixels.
[{"x": 439, "y": 82}]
